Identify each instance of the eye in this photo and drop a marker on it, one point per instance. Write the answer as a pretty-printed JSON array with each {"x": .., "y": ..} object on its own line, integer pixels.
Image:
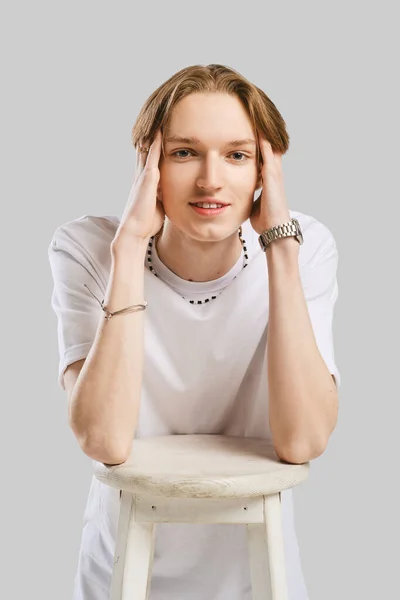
[
  {"x": 177, "y": 152},
  {"x": 241, "y": 154}
]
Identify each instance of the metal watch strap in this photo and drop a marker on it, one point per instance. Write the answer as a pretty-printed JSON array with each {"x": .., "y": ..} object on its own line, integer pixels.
[{"x": 288, "y": 229}]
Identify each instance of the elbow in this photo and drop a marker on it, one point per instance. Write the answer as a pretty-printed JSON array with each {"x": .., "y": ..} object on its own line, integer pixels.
[
  {"x": 109, "y": 456},
  {"x": 100, "y": 449},
  {"x": 100, "y": 445},
  {"x": 298, "y": 454}
]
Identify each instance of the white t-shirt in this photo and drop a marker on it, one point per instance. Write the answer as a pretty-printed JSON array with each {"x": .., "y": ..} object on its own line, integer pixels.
[{"x": 204, "y": 373}]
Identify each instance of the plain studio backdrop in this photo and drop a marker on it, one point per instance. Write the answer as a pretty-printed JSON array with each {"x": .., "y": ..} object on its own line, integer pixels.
[{"x": 74, "y": 77}]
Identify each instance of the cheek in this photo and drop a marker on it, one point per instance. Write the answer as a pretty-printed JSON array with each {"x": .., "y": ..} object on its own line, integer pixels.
[
  {"x": 174, "y": 179},
  {"x": 168, "y": 189},
  {"x": 248, "y": 179}
]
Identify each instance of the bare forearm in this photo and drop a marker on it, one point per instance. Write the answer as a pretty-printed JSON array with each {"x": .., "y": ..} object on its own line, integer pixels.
[
  {"x": 302, "y": 393},
  {"x": 105, "y": 401}
]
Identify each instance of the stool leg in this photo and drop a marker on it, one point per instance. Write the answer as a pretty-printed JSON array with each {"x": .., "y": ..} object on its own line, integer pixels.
[
  {"x": 120, "y": 546},
  {"x": 133, "y": 556},
  {"x": 266, "y": 553}
]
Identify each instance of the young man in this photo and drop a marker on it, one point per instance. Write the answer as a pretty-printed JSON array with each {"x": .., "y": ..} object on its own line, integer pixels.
[{"x": 235, "y": 339}]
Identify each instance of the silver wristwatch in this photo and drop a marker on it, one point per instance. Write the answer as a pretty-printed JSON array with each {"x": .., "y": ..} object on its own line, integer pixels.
[{"x": 291, "y": 228}]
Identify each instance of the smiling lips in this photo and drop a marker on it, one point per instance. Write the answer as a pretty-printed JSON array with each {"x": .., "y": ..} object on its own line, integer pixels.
[
  {"x": 209, "y": 204},
  {"x": 207, "y": 208},
  {"x": 210, "y": 200}
]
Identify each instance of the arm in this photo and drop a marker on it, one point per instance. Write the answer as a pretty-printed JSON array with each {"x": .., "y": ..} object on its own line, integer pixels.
[
  {"x": 104, "y": 392},
  {"x": 303, "y": 400},
  {"x": 104, "y": 400}
]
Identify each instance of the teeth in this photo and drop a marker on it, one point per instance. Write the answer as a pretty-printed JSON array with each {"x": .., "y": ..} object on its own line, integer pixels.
[{"x": 207, "y": 205}]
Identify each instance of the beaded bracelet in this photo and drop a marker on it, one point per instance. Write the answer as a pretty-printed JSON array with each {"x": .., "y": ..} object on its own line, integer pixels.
[{"x": 128, "y": 309}]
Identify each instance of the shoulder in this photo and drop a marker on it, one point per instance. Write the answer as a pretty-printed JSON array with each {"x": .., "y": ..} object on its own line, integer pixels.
[
  {"x": 318, "y": 239},
  {"x": 88, "y": 236},
  {"x": 88, "y": 230},
  {"x": 82, "y": 247}
]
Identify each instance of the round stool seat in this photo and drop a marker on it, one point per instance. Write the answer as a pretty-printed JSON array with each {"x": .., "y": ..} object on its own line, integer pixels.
[{"x": 202, "y": 466}]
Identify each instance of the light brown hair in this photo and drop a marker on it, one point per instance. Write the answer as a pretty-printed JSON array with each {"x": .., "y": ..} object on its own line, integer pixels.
[{"x": 156, "y": 111}]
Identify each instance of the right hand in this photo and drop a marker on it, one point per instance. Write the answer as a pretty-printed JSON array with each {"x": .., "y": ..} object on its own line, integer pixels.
[{"x": 144, "y": 214}]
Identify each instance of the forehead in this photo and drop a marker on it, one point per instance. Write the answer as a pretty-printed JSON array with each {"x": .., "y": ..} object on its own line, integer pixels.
[{"x": 200, "y": 114}]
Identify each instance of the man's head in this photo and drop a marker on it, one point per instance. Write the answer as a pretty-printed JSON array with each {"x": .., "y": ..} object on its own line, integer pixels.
[{"x": 219, "y": 113}]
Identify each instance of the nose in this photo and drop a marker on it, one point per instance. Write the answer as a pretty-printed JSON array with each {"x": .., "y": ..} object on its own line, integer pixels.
[{"x": 210, "y": 176}]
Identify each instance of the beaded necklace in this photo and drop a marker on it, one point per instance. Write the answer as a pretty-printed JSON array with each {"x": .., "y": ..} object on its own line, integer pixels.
[{"x": 153, "y": 241}]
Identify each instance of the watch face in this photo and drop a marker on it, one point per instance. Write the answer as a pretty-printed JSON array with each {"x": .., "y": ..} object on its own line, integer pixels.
[
  {"x": 266, "y": 237},
  {"x": 262, "y": 244}
]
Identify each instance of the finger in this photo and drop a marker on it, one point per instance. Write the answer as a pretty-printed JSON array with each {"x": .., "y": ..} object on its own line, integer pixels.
[
  {"x": 268, "y": 155},
  {"x": 145, "y": 150},
  {"x": 262, "y": 144},
  {"x": 138, "y": 168},
  {"x": 141, "y": 155},
  {"x": 153, "y": 156},
  {"x": 137, "y": 165}
]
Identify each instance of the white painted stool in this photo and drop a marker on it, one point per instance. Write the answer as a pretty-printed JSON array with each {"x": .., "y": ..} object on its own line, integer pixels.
[{"x": 200, "y": 479}]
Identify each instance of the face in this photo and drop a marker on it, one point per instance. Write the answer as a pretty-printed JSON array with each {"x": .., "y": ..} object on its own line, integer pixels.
[{"x": 210, "y": 164}]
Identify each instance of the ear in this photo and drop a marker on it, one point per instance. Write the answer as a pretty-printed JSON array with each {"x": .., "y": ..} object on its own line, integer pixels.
[{"x": 259, "y": 181}]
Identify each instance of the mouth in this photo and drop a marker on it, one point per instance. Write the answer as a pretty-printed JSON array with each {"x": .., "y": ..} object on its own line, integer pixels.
[{"x": 209, "y": 208}]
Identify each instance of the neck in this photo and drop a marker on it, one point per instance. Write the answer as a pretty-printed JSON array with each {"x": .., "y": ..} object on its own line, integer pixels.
[{"x": 193, "y": 260}]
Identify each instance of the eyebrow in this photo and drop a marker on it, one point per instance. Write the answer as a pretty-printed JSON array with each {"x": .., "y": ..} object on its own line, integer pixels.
[{"x": 194, "y": 140}]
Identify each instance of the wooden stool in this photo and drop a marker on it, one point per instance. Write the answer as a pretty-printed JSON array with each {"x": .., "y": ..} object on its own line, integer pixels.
[{"x": 200, "y": 479}]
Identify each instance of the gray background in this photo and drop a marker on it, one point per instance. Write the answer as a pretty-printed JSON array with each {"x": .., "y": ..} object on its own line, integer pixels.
[{"x": 73, "y": 80}]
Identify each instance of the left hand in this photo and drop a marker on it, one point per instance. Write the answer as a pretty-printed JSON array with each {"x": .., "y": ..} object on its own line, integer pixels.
[{"x": 271, "y": 207}]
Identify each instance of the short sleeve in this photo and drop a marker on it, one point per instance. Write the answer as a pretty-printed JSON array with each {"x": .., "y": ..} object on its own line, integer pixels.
[
  {"x": 320, "y": 286},
  {"x": 74, "y": 261}
]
